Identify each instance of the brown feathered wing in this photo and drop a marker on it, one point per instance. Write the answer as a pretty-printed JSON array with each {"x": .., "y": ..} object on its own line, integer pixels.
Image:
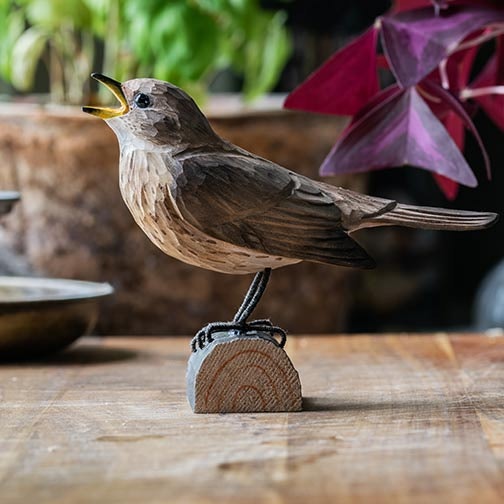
[{"x": 253, "y": 203}]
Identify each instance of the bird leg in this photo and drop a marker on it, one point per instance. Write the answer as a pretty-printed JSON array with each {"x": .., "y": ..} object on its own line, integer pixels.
[
  {"x": 239, "y": 322},
  {"x": 254, "y": 293}
]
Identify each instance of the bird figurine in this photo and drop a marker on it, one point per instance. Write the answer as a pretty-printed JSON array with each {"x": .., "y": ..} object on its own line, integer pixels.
[{"x": 214, "y": 205}]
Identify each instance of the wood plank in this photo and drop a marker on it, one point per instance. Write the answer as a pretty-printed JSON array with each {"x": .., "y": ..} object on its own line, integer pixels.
[
  {"x": 242, "y": 373},
  {"x": 483, "y": 372},
  {"x": 387, "y": 419}
]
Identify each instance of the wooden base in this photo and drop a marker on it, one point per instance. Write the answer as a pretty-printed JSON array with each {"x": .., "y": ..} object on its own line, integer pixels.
[{"x": 242, "y": 373}]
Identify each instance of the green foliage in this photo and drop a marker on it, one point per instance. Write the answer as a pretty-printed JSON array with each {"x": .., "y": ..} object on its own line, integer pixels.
[
  {"x": 183, "y": 41},
  {"x": 256, "y": 43},
  {"x": 57, "y": 32},
  {"x": 11, "y": 28},
  {"x": 26, "y": 53}
]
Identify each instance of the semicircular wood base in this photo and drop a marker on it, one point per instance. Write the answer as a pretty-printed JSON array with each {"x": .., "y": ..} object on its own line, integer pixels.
[{"x": 242, "y": 373}]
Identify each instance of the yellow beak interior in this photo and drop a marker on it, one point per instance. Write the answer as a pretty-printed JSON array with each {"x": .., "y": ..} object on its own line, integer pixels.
[{"x": 109, "y": 112}]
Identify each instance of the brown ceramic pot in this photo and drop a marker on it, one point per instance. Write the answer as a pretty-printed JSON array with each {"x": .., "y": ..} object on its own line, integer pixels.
[{"x": 72, "y": 222}]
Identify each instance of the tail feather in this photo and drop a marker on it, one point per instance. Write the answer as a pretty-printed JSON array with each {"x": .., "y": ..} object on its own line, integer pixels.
[{"x": 434, "y": 218}]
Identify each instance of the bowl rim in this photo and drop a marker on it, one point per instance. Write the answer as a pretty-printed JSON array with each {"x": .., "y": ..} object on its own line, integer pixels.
[
  {"x": 66, "y": 290},
  {"x": 9, "y": 196}
]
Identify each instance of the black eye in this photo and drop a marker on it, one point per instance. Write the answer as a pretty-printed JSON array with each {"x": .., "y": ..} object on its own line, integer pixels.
[{"x": 142, "y": 100}]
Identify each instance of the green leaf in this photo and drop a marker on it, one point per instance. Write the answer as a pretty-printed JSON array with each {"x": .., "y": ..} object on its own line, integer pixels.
[
  {"x": 99, "y": 12},
  {"x": 13, "y": 25},
  {"x": 184, "y": 41},
  {"x": 179, "y": 40},
  {"x": 52, "y": 14},
  {"x": 269, "y": 59},
  {"x": 26, "y": 54}
]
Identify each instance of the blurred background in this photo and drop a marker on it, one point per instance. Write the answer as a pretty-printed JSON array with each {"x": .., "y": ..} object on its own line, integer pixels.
[{"x": 72, "y": 223}]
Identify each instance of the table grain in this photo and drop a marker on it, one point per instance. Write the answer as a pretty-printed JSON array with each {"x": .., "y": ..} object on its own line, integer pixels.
[{"x": 388, "y": 419}]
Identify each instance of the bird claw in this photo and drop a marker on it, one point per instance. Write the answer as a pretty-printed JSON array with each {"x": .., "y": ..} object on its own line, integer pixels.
[{"x": 204, "y": 336}]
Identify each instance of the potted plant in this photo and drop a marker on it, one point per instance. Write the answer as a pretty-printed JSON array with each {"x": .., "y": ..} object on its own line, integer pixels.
[
  {"x": 410, "y": 85},
  {"x": 72, "y": 222},
  {"x": 186, "y": 43}
]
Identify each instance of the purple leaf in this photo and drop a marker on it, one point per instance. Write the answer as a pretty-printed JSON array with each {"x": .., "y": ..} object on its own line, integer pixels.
[
  {"x": 456, "y": 72},
  {"x": 456, "y": 106},
  {"x": 455, "y": 127},
  {"x": 344, "y": 83},
  {"x": 449, "y": 187},
  {"x": 405, "y": 5},
  {"x": 499, "y": 74},
  {"x": 491, "y": 103},
  {"x": 415, "y": 42},
  {"x": 400, "y": 130},
  {"x": 459, "y": 66},
  {"x": 402, "y": 5},
  {"x": 382, "y": 96}
]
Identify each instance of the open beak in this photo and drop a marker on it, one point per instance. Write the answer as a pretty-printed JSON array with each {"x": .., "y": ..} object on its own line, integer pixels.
[{"x": 109, "y": 112}]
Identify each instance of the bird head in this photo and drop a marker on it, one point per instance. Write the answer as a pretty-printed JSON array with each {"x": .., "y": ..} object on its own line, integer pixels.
[{"x": 153, "y": 111}]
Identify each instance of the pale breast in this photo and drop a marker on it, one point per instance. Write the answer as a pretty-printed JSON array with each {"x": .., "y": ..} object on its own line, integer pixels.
[{"x": 145, "y": 180}]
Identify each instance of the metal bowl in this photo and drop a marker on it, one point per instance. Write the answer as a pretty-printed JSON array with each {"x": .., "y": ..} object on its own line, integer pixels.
[
  {"x": 42, "y": 315},
  {"x": 7, "y": 200}
]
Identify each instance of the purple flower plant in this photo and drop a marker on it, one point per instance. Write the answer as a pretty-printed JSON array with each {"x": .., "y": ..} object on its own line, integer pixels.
[{"x": 429, "y": 46}]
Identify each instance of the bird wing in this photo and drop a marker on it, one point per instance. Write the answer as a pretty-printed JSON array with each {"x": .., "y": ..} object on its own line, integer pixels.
[{"x": 256, "y": 204}]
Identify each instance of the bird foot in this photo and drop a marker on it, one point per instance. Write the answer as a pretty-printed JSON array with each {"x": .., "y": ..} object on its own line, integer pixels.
[{"x": 204, "y": 336}]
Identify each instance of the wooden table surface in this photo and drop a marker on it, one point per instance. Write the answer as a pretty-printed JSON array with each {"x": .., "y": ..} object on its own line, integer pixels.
[{"x": 392, "y": 419}]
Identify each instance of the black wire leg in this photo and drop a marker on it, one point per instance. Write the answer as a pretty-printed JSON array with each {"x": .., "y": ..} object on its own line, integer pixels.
[
  {"x": 253, "y": 296},
  {"x": 239, "y": 322},
  {"x": 205, "y": 335}
]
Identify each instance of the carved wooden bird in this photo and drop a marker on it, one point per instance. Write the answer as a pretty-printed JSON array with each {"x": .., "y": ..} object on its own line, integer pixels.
[{"x": 212, "y": 204}]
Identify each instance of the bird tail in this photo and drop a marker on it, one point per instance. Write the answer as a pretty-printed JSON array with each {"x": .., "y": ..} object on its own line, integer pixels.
[{"x": 433, "y": 218}]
